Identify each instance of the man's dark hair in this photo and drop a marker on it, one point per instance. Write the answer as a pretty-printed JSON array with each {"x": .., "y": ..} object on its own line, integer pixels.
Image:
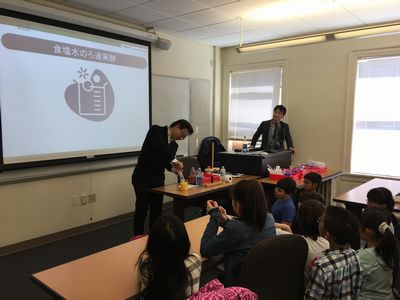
[
  {"x": 183, "y": 124},
  {"x": 287, "y": 184},
  {"x": 314, "y": 178},
  {"x": 305, "y": 196},
  {"x": 281, "y": 108},
  {"x": 307, "y": 218}
]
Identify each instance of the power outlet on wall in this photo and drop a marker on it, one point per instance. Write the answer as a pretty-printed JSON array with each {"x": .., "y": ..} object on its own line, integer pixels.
[
  {"x": 84, "y": 199},
  {"x": 76, "y": 200},
  {"x": 92, "y": 198}
]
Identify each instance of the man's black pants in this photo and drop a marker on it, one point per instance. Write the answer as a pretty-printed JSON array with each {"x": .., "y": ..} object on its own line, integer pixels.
[{"x": 144, "y": 200}]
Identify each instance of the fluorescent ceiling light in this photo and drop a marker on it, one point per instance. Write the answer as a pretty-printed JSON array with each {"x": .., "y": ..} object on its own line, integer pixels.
[
  {"x": 367, "y": 31},
  {"x": 282, "y": 43}
]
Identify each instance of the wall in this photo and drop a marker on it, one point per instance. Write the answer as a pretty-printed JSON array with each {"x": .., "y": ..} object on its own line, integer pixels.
[
  {"x": 40, "y": 207},
  {"x": 316, "y": 86}
]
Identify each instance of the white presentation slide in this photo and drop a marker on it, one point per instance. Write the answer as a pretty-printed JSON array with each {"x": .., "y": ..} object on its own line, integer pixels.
[{"x": 66, "y": 94}]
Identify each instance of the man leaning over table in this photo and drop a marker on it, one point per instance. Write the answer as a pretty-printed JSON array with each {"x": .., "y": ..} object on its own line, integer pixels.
[{"x": 157, "y": 154}]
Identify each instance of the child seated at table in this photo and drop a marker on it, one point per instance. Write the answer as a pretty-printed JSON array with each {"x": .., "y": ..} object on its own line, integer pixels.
[
  {"x": 379, "y": 255},
  {"x": 252, "y": 225},
  {"x": 307, "y": 219},
  {"x": 283, "y": 208},
  {"x": 311, "y": 182},
  {"x": 166, "y": 269},
  {"x": 337, "y": 274},
  {"x": 306, "y": 196}
]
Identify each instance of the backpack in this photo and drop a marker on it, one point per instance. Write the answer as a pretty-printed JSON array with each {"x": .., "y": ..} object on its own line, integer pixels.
[{"x": 205, "y": 152}]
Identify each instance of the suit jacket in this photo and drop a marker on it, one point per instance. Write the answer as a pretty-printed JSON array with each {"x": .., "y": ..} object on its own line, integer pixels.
[
  {"x": 263, "y": 129},
  {"x": 156, "y": 156}
]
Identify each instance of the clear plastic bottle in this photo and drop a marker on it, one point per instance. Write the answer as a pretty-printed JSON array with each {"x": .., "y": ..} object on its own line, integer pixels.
[
  {"x": 199, "y": 177},
  {"x": 222, "y": 172},
  {"x": 245, "y": 146}
]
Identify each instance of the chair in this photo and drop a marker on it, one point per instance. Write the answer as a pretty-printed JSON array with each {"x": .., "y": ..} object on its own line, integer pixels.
[
  {"x": 274, "y": 268},
  {"x": 188, "y": 163},
  {"x": 205, "y": 152}
]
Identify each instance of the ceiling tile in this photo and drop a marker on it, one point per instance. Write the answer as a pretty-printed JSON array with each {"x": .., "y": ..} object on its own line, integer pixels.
[
  {"x": 175, "y": 7},
  {"x": 373, "y": 11},
  {"x": 100, "y": 6},
  {"x": 214, "y": 3},
  {"x": 223, "y": 41},
  {"x": 326, "y": 16},
  {"x": 206, "y": 17},
  {"x": 213, "y": 30},
  {"x": 292, "y": 26},
  {"x": 241, "y": 8},
  {"x": 218, "y": 22},
  {"x": 142, "y": 15},
  {"x": 173, "y": 25},
  {"x": 258, "y": 35},
  {"x": 136, "y": 2}
]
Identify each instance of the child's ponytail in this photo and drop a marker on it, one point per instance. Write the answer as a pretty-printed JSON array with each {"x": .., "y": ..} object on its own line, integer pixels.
[
  {"x": 377, "y": 220},
  {"x": 386, "y": 247}
]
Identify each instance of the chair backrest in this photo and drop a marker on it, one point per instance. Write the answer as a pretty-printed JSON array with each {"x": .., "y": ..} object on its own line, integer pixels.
[
  {"x": 205, "y": 152},
  {"x": 274, "y": 268},
  {"x": 188, "y": 163}
]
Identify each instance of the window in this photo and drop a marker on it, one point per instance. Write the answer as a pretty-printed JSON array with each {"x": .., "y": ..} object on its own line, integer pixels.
[
  {"x": 252, "y": 96},
  {"x": 376, "y": 121}
]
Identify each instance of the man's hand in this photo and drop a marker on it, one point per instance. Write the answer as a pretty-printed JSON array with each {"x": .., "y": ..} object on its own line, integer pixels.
[
  {"x": 176, "y": 170},
  {"x": 211, "y": 204},
  {"x": 293, "y": 150},
  {"x": 178, "y": 164}
]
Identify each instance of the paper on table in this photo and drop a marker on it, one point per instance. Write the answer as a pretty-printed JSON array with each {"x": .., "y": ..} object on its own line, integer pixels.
[{"x": 235, "y": 175}]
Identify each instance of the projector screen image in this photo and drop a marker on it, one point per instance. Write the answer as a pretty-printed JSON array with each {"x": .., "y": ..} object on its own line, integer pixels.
[{"x": 67, "y": 94}]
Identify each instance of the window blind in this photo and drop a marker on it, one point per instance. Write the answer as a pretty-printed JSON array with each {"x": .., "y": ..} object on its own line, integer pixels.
[{"x": 253, "y": 95}]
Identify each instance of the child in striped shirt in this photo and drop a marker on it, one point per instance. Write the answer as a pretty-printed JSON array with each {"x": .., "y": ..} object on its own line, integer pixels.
[{"x": 338, "y": 273}]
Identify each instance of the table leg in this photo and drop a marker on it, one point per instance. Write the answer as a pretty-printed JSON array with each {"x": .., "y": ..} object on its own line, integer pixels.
[
  {"x": 355, "y": 208},
  {"x": 179, "y": 208}
]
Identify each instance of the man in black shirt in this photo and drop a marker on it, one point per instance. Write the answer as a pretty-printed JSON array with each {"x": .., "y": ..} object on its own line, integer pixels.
[
  {"x": 274, "y": 132},
  {"x": 157, "y": 154}
]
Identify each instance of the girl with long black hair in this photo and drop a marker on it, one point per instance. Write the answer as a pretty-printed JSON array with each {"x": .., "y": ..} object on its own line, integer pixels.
[{"x": 167, "y": 270}]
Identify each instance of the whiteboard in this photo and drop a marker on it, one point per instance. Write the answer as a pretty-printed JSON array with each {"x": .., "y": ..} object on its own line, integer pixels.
[
  {"x": 183, "y": 98},
  {"x": 171, "y": 102}
]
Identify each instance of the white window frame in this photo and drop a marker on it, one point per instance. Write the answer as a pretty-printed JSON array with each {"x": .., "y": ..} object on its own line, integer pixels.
[
  {"x": 228, "y": 69},
  {"x": 354, "y": 57}
]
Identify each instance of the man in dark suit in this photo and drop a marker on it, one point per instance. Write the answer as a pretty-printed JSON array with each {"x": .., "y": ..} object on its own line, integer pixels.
[
  {"x": 274, "y": 132},
  {"x": 157, "y": 154}
]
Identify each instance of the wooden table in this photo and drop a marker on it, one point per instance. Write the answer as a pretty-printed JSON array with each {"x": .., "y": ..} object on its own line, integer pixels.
[
  {"x": 109, "y": 274},
  {"x": 181, "y": 197},
  {"x": 325, "y": 188},
  {"x": 356, "y": 199}
]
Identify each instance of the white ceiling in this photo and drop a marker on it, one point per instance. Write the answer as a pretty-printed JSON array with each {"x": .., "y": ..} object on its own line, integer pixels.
[{"x": 219, "y": 22}]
